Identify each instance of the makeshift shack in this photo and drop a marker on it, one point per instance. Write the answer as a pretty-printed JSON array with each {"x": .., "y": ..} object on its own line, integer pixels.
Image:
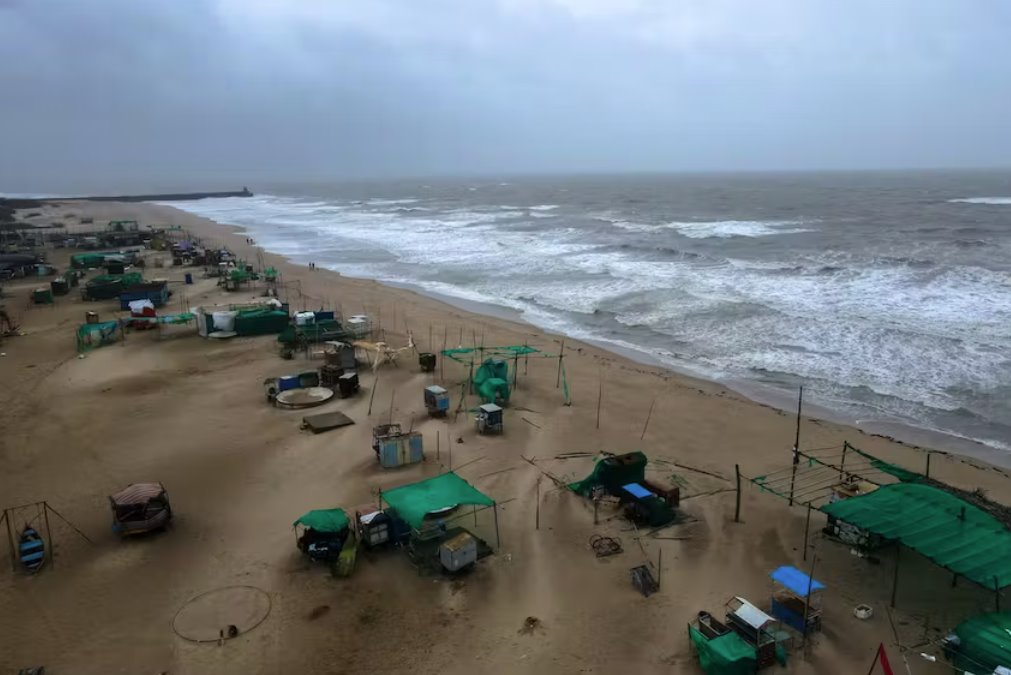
[
  {"x": 427, "y": 507},
  {"x": 139, "y": 508},
  {"x": 757, "y": 628},
  {"x": 394, "y": 447},
  {"x": 156, "y": 292},
  {"x": 720, "y": 651},
  {"x": 796, "y": 598},
  {"x": 624, "y": 477},
  {"x": 981, "y": 644},
  {"x": 323, "y": 533},
  {"x": 436, "y": 401}
]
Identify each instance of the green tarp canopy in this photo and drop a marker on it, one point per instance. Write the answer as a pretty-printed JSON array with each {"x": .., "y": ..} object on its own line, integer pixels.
[
  {"x": 984, "y": 642},
  {"x": 612, "y": 472},
  {"x": 324, "y": 520},
  {"x": 491, "y": 380},
  {"x": 413, "y": 502},
  {"x": 82, "y": 260},
  {"x": 264, "y": 321},
  {"x": 727, "y": 654},
  {"x": 950, "y": 531}
]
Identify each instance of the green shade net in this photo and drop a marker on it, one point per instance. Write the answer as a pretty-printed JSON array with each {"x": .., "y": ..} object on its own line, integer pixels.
[
  {"x": 903, "y": 475},
  {"x": 612, "y": 472},
  {"x": 413, "y": 502},
  {"x": 324, "y": 520},
  {"x": 82, "y": 260},
  {"x": 491, "y": 380},
  {"x": 261, "y": 321},
  {"x": 724, "y": 655},
  {"x": 950, "y": 531},
  {"x": 984, "y": 642}
]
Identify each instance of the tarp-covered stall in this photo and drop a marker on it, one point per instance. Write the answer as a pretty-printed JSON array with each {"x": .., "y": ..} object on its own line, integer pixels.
[
  {"x": 950, "y": 531},
  {"x": 726, "y": 654},
  {"x": 414, "y": 501},
  {"x": 981, "y": 644}
]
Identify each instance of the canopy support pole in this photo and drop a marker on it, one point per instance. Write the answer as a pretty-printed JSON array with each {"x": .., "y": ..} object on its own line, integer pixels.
[
  {"x": 807, "y": 528},
  {"x": 52, "y": 544},
  {"x": 498, "y": 540},
  {"x": 10, "y": 541},
  {"x": 895, "y": 577},
  {"x": 796, "y": 445},
  {"x": 842, "y": 462},
  {"x": 737, "y": 507}
]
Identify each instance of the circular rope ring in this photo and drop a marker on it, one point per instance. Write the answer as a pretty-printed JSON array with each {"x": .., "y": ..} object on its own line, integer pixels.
[{"x": 210, "y": 625}]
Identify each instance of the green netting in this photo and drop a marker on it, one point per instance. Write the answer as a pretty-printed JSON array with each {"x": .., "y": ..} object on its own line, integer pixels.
[
  {"x": 491, "y": 381},
  {"x": 950, "y": 531},
  {"x": 507, "y": 352},
  {"x": 984, "y": 642},
  {"x": 270, "y": 274},
  {"x": 612, "y": 472},
  {"x": 727, "y": 654},
  {"x": 413, "y": 502},
  {"x": 904, "y": 475},
  {"x": 324, "y": 520},
  {"x": 92, "y": 335}
]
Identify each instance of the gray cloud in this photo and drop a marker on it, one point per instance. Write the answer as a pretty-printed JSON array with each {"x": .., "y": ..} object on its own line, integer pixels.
[{"x": 121, "y": 94}]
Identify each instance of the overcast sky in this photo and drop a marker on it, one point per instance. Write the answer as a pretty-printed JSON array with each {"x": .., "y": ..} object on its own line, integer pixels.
[{"x": 102, "y": 94}]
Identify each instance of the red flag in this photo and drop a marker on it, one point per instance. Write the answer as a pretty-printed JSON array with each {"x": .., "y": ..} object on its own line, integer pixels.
[{"x": 883, "y": 655}]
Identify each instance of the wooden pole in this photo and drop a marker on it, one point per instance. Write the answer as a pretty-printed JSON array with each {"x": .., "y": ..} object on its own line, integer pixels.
[
  {"x": 796, "y": 446},
  {"x": 49, "y": 533},
  {"x": 648, "y": 415},
  {"x": 807, "y": 528},
  {"x": 516, "y": 368},
  {"x": 558, "y": 375},
  {"x": 498, "y": 540},
  {"x": 874, "y": 663},
  {"x": 600, "y": 392},
  {"x": 895, "y": 577},
  {"x": 807, "y": 599},
  {"x": 372, "y": 396},
  {"x": 10, "y": 541},
  {"x": 737, "y": 508},
  {"x": 475, "y": 514},
  {"x": 537, "y": 517},
  {"x": 393, "y": 393},
  {"x": 842, "y": 463}
]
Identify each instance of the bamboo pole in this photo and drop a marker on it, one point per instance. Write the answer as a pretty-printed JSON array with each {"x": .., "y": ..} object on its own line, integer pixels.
[
  {"x": 796, "y": 445},
  {"x": 10, "y": 541},
  {"x": 648, "y": 416},
  {"x": 558, "y": 375},
  {"x": 49, "y": 533},
  {"x": 737, "y": 508}
]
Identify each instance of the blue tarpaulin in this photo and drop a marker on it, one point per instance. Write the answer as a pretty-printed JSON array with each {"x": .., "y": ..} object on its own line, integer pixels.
[
  {"x": 637, "y": 491},
  {"x": 795, "y": 580}
]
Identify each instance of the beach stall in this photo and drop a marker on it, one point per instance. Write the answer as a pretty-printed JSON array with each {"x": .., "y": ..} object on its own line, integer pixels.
[
  {"x": 757, "y": 628},
  {"x": 395, "y": 447},
  {"x": 488, "y": 419},
  {"x": 429, "y": 508},
  {"x": 980, "y": 644},
  {"x": 719, "y": 650},
  {"x": 436, "y": 401},
  {"x": 321, "y": 534},
  {"x": 156, "y": 292},
  {"x": 796, "y": 599}
]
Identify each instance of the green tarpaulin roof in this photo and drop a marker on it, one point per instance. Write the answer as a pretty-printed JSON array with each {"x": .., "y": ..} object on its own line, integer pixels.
[
  {"x": 950, "y": 531},
  {"x": 412, "y": 502},
  {"x": 727, "y": 654},
  {"x": 984, "y": 643},
  {"x": 324, "y": 520}
]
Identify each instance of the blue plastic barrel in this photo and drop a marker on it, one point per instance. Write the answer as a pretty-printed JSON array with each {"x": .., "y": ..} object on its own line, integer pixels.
[
  {"x": 286, "y": 382},
  {"x": 189, "y": 278}
]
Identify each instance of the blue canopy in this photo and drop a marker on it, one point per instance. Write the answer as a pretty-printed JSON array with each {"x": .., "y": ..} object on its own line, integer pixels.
[{"x": 795, "y": 580}]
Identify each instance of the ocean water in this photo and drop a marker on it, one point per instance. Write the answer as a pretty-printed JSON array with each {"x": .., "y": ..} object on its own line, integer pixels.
[{"x": 887, "y": 295}]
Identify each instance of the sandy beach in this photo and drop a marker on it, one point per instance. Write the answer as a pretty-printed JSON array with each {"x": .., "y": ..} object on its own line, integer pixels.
[{"x": 190, "y": 412}]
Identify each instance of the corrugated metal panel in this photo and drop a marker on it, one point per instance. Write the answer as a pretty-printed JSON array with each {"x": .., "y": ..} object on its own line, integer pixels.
[{"x": 138, "y": 493}]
